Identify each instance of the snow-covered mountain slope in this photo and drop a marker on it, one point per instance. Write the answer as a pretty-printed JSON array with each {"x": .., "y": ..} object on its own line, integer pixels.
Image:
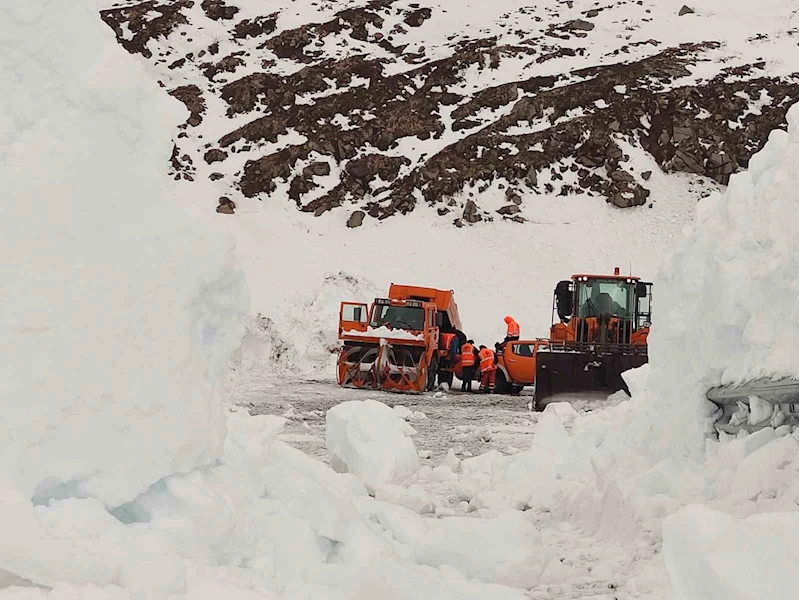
[{"x": 377, "y": 106}]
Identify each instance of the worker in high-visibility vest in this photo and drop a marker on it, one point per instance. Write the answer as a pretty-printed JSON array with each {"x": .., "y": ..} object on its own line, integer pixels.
[
  {"x": 513, "y": 329},
  {"x": 468, "y": 365},
  {"x": 488, "y": 369},
  {"x": 448, "y": 342}
]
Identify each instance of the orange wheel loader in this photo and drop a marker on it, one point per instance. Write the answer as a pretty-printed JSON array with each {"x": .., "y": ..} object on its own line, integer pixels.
[
  {"x": 396, "y": 343},
  {"x": 601, "y": 331}
]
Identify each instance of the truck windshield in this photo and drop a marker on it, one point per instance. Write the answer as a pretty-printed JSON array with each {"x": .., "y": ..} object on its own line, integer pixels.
[
  {"x": 398, "y": 317},
  {"x": 604, "y": 296}
]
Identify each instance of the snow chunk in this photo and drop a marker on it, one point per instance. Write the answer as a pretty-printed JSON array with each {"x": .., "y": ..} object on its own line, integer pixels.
[
  {"x": 413, "y": 498},
  {"x": 714, "y": 556},
  {"x": 368, "y": 439},
  {"x": 451, "y": 461},
  {"x": 506, "y": 549},
  {"x": 403, "y": 412},
  {"x": 481, "y": 464},
  {"x": 562, "y": 410}
]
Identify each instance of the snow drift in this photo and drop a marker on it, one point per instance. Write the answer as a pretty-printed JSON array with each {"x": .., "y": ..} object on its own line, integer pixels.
[{"x": 119, "y": 311}]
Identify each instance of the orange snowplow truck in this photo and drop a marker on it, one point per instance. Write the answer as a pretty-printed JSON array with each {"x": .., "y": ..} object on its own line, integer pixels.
[
  {"x": 396, "y": 343},
  {"x": 602, "y": 329}
]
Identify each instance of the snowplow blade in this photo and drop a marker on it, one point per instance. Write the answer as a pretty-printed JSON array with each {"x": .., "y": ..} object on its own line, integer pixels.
[
  {"x": 778, "y": 401},
  {"x": 583, "y": 370},
  {"x": 385, "y": 366}
]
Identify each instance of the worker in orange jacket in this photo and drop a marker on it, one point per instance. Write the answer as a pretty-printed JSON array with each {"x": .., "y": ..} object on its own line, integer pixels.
[
  {"x": 468, "y": 364},
  {"x": 488, "y": 369},
  {"x": 513, "y": 330},
  {"x": 448, "y": 342}
]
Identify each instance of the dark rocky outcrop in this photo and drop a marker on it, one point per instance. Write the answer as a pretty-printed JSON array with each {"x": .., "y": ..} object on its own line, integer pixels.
[
  {"x": 192, "y": 97},
  {"x": 396, "y": 127},
  {"x": 218, "y": 10},
  {"x": 144, "y": 28},
  {"x": 226, "y": 206}
]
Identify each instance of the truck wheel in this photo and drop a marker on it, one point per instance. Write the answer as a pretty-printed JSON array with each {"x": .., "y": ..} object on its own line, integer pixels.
[
  {"x": 502, "y": 386},
  {"x": 432, "y": 371}
]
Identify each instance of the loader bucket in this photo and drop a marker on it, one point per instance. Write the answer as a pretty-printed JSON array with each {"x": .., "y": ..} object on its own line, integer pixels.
[{"x": 576, "y": 371}]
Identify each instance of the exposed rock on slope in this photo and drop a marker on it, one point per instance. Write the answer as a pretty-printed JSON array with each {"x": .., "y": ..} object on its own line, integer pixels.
[{"x": 379, "y": 106}]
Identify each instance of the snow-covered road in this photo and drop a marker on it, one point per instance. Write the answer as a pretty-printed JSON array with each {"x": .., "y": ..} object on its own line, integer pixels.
[{"x": 468, "y": 423}]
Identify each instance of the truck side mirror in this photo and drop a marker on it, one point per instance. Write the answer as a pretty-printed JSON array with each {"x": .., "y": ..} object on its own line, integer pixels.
[
  {"x": 641, "y": 290},
  {"x": 563, "y": 299},
  {"x": 439, "y": 319}
]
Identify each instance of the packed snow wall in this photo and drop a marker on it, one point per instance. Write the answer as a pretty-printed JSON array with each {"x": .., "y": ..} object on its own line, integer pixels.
[
  {"x": 119, "y": 310},
  {"x": 726, "y": 309}
]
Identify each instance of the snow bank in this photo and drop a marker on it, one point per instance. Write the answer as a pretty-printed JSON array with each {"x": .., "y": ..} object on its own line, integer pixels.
[
  {"x": 368, "y": 439},
  {"x": 714, "y": 556},
  {"x": 298, "y": 336},
  {"x": 119, "y": 311},
  {"x": 727, "y": 308}
]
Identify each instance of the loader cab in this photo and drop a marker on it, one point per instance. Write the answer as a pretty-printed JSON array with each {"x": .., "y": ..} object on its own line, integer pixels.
[{"x": 602, "y": 308}]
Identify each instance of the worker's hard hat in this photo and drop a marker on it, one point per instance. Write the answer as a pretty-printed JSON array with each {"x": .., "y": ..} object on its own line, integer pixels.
[{"x": 508, "y": 319}]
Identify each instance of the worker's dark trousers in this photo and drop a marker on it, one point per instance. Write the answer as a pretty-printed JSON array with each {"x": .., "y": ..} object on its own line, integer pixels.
[
  {"x": 510, "y": 338},
  {"x": 468, "y": 375}
]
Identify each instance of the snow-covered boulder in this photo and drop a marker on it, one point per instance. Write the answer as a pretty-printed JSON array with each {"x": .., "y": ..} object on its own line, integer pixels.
[{"x": 368, "y": 439}]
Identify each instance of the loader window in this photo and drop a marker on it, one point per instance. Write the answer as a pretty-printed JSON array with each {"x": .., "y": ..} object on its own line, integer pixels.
[
  {"x": 644, "y": 310},
  {"x": 398, "y": 317},
  {"x": 598, "y": 296}
]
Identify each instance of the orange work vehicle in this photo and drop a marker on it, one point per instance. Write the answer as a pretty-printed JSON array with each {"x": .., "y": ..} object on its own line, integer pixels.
[
  {"x": 396, "y": 344},
  {"x": 515, "y": 365},
  {"x": 601, "y": 331}
]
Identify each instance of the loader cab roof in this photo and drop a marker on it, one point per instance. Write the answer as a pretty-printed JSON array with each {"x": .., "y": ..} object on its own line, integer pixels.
[{"x": 584, "y": 276}]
